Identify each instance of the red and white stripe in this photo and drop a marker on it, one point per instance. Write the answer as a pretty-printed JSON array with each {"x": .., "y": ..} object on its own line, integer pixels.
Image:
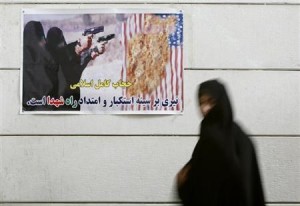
[{"x": 171, "y": 86}]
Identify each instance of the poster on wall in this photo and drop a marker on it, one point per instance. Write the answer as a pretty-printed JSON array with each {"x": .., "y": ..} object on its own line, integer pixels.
[{"x": 102, "y": 61}]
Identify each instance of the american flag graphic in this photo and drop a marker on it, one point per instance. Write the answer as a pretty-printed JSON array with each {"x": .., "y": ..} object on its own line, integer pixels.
[{"x": 171, "y": 84}]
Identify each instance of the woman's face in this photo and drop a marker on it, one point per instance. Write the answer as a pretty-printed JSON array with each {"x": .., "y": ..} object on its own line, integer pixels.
[
  {"x": 42, "y": 42},
  {"x": 206, "y": 104}
]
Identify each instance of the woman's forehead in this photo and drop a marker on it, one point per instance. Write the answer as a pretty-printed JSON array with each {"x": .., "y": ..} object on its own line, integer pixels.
[{"x": 205, "y": 98}]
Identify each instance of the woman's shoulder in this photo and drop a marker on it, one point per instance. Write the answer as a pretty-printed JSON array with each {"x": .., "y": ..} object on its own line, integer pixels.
[{"x": 240, "y": 136}]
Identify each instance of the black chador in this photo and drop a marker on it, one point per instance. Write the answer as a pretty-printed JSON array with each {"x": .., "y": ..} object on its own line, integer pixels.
[
  {"x": 39, "y": 67},
  {"x": 71, "y": 65},
  {"x": 223, "y": 170}
]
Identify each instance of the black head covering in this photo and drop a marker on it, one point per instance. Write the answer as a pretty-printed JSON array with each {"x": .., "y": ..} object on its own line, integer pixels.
[
  {"x": 35, "y": 50},
  {"x": 55, "y": 41},
  {"x": 223, "y": 168},
  {"x": 221, "y": 113},
  {"x": 33, "y": 33}
]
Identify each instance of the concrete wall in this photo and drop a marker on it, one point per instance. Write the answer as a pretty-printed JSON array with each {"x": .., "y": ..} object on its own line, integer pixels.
[{"x": 252, "y": 45}]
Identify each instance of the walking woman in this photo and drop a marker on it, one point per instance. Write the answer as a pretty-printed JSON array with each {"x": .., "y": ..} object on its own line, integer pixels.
[{"x": 223, "y": 169}]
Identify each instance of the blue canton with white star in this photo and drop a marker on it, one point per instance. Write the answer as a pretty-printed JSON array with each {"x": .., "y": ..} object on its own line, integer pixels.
[{"x": 176, "y": 38}]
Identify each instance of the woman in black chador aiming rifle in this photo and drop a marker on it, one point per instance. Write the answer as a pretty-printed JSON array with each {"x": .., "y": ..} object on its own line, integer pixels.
[{"x": 223, "y": 170}]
